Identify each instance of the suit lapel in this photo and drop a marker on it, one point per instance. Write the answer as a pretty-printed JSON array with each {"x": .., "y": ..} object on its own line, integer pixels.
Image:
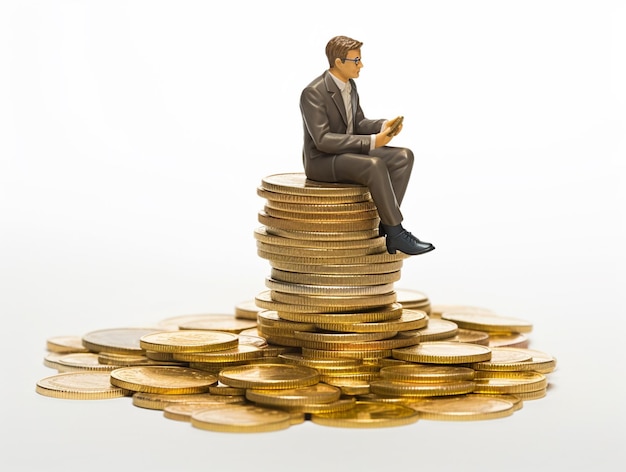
[{"x": 336, "y": 97}]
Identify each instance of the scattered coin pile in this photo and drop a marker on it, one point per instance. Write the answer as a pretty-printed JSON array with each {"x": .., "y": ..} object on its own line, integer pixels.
[{"x": 331, "y": 340}]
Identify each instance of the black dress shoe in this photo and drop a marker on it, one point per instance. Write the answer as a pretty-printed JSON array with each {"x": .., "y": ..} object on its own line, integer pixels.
[{"x": 408, "y": 244}]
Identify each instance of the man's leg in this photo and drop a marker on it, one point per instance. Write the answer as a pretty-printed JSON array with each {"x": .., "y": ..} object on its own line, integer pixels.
[
  {"x": 399, "y": 162},
  {"x": 372, "y": 171},
  {"x": 375, "y": 171}
]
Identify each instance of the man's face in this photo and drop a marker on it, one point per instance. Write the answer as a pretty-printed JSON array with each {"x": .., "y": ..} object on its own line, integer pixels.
[{"x": 350, "y": 68}]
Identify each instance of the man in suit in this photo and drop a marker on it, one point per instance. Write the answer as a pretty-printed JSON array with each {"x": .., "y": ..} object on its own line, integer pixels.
[{"x": 341, "y": 145}]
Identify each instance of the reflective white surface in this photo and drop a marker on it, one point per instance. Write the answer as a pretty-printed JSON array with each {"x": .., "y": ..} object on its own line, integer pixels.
[{"x": 134, "y": 135}]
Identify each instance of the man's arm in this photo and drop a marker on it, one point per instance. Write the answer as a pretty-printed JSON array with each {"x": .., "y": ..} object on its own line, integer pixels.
[{"x": 317, "y": 122}]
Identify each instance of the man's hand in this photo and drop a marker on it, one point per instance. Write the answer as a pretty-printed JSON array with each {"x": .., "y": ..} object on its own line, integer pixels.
[
  {"x": 395, "y": 125},
  {"x": 392, "y": 128}
]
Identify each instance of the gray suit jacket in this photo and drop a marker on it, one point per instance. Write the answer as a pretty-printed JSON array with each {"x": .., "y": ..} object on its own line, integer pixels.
[{"x": 325, "y": 125}]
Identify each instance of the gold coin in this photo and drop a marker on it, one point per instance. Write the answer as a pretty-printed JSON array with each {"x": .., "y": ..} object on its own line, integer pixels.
[
  {"x": 242, "y": 352},
  {"x": 241, "y": 419},
  {"x": 270, "y": 318},
  {"x": 297, "y": 184},
  {"x": 51, "y": 359},
  {"x": 65, "y": 344},
  {"x": 265, "y": 301},
  {"x": 318, "y": 393},
  {"x": 272, "y": 331},
  {"x": 489, "y": 322},
  {"x": 287, "y": 340},
  {"x": 509, "y": 382},
  {"x": 221, "y": 389},
  {"x": 381, "y": 258},
  {"x": 247, "y": 310},
  {"x": 162, "y": 379},
  {"x": 352, "y": 353},
  {"x": 389, "y": 362},
  {"x": 320, "y": 226},
  {"x": 508, "y": 340},
  {"x": 410, "y": 297},
  {"x": 334, "y": 279},
  {"x": 120, "y": 340},
  {"x": 518, "y": 359},
  {"x": 534, "y": 395},
  {"x": 374, "y": 397},
  {"x": 438, "y": 329},
  {"x": 325, "y": 208},
  {"x": 335, "y": 377},
  {"x": 426, "y": 373},
  {"x": 442, "y": 352},
  {"x": 331, "y": 407},
  {"x": 343, "y": 337},
  {"x": 311, "y": 199},
  {"x": 333, "y": 269},
  {"x": 319, "y": 216},
  {"x": 319, "y": 364},
  {"x": 261, "y": 234},
  {"x": 325, "y": 290},
  {"x": 311, "y": 236},
  {"x": 469, "y": 407},
  {"x": 398, "y": 341},
  {"x": 159, "y": 401},
  {"x": 335, "y": 301},
  {"x": 252, "y": 340},
  {"x": 439, "y": 308},
  {"x": 253, "y": 332},
  {"x": 408, "y": 320},
  {"x": 269, "y": 376},
  {"x": 421, "y": 389},
  {"x": 282, "y": 251},
  {"x": 350, "y": 386},
  {"x": 216, "y": 367},
  {"x": 503, "y": 355},
  {"x": 348, "y": 371},
  {"x": 471, "y": 336},
  {"x": 189, "y": 341},
  {"x": 127, "y": 360},
  {"x": 183, "y": 411},
  {"x": 160, "y": 356},
  {"x": 226, "y": 323},
  {"x": 77, "y": 361},
  {"x": 368, "y": 415},
  {"x": 80, "y": 386},
  {"x": 392, "y": 311}
]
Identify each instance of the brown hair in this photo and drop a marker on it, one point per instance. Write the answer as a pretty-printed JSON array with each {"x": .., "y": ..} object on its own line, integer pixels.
[{"x": 338, "y": 47}]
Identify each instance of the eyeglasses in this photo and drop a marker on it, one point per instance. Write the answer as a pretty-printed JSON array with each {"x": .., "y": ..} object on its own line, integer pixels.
[{"x": 356, "y": 60}]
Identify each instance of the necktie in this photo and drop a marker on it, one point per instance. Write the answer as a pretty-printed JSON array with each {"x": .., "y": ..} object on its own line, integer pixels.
[{"x": 348, "y": 104}]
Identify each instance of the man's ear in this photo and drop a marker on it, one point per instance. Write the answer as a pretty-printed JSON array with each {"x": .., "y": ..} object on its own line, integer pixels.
[{"x": 337, "y": 62}]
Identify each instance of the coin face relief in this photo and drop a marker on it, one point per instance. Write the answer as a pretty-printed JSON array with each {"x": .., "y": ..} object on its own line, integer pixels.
[
  {"x": 163, "y": 379},
  {"x": 368, "y": 415},
  {"x": 269, "y": 376},
  {"x": 241, "y": 419},
  {"x": 80, "y": 386},
  {"x": 189, "y": 341},
  {"x": 118, "y": 340}
]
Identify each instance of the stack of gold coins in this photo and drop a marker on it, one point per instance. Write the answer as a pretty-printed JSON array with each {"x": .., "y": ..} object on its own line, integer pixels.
[
  {"x": 330, "y": 294},
  {"x": 331, "y": 340}
]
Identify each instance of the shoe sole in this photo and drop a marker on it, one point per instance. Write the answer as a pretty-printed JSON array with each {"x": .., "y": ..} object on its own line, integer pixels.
[{"x": 408, "y": 254}]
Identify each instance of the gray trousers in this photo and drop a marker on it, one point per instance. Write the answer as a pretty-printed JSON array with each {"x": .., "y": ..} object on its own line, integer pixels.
[{"x": 385, "y": 171}]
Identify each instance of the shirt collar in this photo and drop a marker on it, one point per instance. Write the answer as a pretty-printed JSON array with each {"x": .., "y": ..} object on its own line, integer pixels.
[{"x": 341, "y": 85}]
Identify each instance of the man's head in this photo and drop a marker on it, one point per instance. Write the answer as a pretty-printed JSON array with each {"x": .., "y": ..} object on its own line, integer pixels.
[{"x": 344, "y": 57}]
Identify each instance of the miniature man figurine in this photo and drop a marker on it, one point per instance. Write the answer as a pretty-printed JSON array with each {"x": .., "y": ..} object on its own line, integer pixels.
[{"x": 341, "y": 145}]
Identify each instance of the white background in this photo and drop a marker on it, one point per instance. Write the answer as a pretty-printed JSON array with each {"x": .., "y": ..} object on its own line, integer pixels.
[{"x": 133, "y": 136}]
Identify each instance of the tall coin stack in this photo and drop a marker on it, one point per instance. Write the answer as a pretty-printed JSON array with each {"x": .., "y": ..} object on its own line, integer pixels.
[{"x": 331, "y": 288}]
